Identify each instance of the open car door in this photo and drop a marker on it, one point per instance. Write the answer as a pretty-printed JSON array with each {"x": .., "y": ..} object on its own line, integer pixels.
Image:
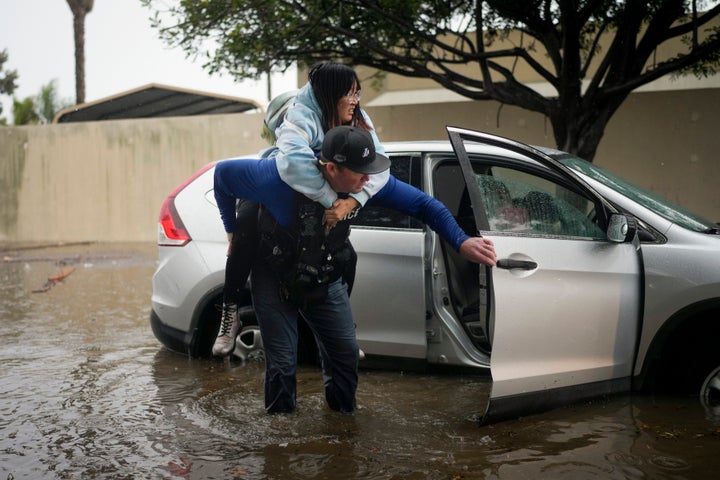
[{"x": 564, "y": 300}]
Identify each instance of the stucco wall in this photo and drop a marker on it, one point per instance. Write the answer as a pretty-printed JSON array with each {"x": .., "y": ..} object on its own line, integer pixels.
[
  {"x": 666, "y": 141},
  {"x": 105, "y": 181}
]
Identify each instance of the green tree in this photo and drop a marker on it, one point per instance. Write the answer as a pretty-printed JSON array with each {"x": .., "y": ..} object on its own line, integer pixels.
[
  {"x": 40, "y": 108},
  {"x": 25, "y": 112},
  {"x": 80, "y": 9},
  {"x": 8, "y": 79},
  {"x": 592, "y": 53}
]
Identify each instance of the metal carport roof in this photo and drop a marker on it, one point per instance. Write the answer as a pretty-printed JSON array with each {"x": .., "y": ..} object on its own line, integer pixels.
[{"x": 155, "y": 100}]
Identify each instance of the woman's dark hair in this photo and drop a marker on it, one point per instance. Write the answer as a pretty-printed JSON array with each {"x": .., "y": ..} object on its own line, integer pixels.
[{"x": 330, "y": 82}]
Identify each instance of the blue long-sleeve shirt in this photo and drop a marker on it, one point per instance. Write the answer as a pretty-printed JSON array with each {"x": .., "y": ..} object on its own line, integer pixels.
[{"x": 258, "y": 180}]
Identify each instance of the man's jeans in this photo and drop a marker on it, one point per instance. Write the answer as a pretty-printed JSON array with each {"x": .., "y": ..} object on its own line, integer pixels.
[{"x": 334, "y": 329}]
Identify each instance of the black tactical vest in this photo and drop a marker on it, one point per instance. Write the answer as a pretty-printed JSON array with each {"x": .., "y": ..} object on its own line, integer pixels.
[{"x": 306, "y": 257}]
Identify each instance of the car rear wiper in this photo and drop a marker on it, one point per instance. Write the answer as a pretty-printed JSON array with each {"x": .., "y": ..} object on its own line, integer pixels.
[{"x": 712, "y": 231}]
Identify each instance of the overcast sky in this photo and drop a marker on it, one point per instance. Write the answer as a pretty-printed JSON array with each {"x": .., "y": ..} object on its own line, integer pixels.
[{"x": 122, "y": 52}]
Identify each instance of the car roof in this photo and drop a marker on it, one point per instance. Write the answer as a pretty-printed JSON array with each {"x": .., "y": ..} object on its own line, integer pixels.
[
  {"x": 419, "y": 145},
  {"x": 444, "y": 146}
]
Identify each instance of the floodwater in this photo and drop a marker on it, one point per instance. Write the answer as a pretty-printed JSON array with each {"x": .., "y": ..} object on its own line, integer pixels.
[{"x": 88, "y": 393}]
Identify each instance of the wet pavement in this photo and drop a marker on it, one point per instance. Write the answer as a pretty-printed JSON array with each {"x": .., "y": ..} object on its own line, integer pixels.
[{"x": 87, "y": 392}]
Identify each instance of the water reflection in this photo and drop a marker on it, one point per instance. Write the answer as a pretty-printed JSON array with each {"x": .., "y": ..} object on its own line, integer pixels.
[
  {"x": 221, "y": 404},
  {"x": 87, "y": 392}
]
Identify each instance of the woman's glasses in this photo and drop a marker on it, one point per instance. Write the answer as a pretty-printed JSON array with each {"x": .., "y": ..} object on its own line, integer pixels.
[{"x": 353, "y": 95}]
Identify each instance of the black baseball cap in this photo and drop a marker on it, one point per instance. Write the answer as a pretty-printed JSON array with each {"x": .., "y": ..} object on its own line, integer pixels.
[{"x": 353, "y": 148}]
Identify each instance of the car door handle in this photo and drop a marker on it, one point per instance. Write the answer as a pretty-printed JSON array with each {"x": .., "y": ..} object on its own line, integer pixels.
[{"x": 510, "y": 264}]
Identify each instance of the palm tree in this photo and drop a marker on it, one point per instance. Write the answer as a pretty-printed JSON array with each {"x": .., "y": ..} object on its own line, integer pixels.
[
  {"x": 47, "y": 102},
  {"x": 80, "y": 8}
]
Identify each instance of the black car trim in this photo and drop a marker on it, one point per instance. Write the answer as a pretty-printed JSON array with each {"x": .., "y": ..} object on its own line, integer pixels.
[
  {"x": 172, "y": 338},
  {"x": 513, "y": 406}
]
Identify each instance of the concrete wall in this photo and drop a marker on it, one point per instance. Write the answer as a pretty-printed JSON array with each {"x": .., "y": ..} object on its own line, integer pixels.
[{"x": 106, "y": 181}]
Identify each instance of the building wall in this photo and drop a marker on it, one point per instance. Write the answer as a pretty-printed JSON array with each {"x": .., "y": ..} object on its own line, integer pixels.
[
  {"x": 106, "y": 181},
  {"x": 665, "y": 141}
]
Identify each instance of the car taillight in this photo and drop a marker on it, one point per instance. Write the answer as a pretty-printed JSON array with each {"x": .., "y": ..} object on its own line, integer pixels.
[{"x": 171, "y": 230}]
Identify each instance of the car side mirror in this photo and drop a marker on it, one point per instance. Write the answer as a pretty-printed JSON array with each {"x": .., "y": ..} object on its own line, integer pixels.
[{"x": 621, "y": 228}]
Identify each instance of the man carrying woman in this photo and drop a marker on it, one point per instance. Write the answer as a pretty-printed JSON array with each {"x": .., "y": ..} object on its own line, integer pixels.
[{"x": 330, "y": 98}]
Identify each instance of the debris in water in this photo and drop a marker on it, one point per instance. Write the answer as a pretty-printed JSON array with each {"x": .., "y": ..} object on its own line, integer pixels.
[{"x": 51, "y": 281}]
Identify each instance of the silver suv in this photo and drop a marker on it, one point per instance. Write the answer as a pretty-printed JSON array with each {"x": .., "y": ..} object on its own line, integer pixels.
[{"x": 601, "y": 286}]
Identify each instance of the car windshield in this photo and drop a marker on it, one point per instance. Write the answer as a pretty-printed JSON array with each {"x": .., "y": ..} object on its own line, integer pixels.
[{"x": 663, "y": 207}]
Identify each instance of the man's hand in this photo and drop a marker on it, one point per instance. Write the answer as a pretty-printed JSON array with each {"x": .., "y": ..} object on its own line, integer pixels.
[
  {"x": 339, "y": 210},
  {"x": 479, "y": 250},
  {"x": 230, "y": 237}
]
